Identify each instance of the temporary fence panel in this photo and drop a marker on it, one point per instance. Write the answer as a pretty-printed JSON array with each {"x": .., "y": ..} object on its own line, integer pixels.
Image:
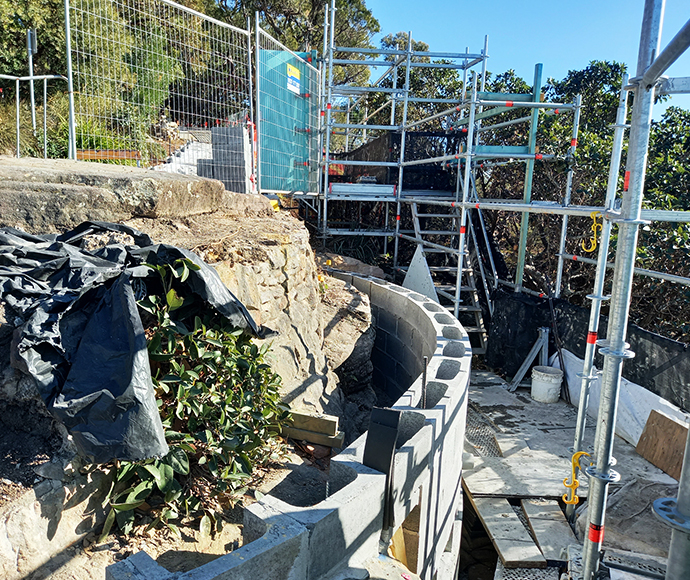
[
  {"x": 163, "y": 86},
  {"x": 288, "y": 104}
]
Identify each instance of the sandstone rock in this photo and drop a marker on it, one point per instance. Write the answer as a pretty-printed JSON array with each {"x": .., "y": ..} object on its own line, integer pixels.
[
  {"x": 348, "y": 334},
  {"x": 347, "y": 264},
  {"x": 50, "y": 195}
]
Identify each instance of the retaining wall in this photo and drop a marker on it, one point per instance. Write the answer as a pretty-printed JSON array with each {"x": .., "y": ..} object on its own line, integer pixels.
[{"x": 338, "y": 535}]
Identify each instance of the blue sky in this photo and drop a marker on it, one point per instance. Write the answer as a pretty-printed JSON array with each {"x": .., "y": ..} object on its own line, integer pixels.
[{"x": 562, "y": 35}]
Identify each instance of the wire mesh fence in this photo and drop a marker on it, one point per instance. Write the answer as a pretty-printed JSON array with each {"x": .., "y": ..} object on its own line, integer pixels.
[
  {"x": 160, "y": 85},
  {"x": 289, "y": 117}
]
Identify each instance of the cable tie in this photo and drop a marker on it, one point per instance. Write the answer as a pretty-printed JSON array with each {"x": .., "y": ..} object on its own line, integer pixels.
[
  {"x": 463, "y": 229},
  {"x": 573, "y": 143},
  {"x": 538, "y": 156},
  {"x": 509, "y": 103}
]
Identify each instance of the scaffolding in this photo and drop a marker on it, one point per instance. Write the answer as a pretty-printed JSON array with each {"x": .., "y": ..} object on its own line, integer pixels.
[{"x": 462, "y": 122}]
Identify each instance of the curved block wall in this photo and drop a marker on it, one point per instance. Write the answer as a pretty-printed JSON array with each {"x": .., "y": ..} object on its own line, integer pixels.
[{"x": 285, "y": 542}]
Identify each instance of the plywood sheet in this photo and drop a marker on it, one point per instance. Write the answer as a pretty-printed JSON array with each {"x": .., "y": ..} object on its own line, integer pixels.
[
  {"x": 662, "y": 442},
  {"x": 515, "y": 547},
  {"x": 550, "y": 528}
]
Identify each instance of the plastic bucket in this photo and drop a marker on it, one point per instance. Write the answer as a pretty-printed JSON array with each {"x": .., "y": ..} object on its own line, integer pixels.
[{"x": 546, "y": 384}]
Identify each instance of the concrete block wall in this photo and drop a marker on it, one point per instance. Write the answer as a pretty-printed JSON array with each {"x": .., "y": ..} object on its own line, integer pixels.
[{"x": 345, "y": 530}]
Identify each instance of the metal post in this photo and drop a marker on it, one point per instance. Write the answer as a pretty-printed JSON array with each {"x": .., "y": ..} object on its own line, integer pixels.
[
  {"x": 257, "y": 120},
  {"x": 16, "y": 97},
  {"x": 45, "y": 118},
  {"x": 31, "y": 50},
  {"x": 615, "y": 349},
  {"x": 465, "y": 193},
  {"x": 321, "y": 190},
  {"x": 597, "y": 294},
  {"x": 568, "y": 191},
  {"x": 676, "y": 513},
  {"x": 347, "y": 121},
  {"x": 402, "y": 147},
  {"x": 70, "y": 85},
  {"x": 251, "y": 93},
  {"x": 329, "y": 121},
  {"x": 678, "y": 45},
  {"x": 529, "y": 172}
]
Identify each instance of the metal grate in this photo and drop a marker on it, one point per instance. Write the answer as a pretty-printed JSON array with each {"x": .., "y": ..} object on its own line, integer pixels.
[
  {"x": 480, "y": 434},
  {"x": 503, "y": 573},
  {"x": 160, "y": 85},
  {"x": 638, "y": 564}
]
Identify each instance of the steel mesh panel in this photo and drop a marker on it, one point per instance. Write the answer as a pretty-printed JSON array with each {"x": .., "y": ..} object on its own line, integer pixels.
[
  {"x": 155, "y": 82},
  {"x": 480, "y": 434}
]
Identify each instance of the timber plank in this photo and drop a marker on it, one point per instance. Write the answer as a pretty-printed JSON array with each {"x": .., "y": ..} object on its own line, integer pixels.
[
  {"x": 326, "y": 424},
  {"x": 520, "y": 475},
  {"x": 662, "y": 442},
  {"x": 515, "y": 547},
  {"x": 550, "y": 528}
]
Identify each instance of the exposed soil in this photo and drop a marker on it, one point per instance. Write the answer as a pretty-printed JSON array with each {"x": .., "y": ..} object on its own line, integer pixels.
[{"x": 28, "y": 439}]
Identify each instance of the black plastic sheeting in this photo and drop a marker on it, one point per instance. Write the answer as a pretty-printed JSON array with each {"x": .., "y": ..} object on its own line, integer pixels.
[
  {"x": 80, "y": 336},
  {"x": 661, "y": 365}
]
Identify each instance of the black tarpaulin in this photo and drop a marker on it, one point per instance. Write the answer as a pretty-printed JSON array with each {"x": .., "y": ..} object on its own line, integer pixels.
[{"x": 80, "y": 336}]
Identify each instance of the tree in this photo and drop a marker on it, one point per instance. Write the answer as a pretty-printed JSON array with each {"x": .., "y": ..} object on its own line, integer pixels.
[{"x": 298, "y": 24}]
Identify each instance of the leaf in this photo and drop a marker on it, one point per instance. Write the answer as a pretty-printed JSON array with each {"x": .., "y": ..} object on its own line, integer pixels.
[
  {"x": 205, "y": 526},
  {"x": 123, "y": 507},
  {"x": 178, "y": 460},
  {"x": 174, "y": 529},
  {"x": 109, "y": 521},
  {"x": 173, "y": 300},
  {"x": 125, "y": 521}
]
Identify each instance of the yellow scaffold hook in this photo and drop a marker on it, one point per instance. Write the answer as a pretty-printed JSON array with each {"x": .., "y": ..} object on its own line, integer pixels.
[
  {"x": 575, "y": 483},
  {"x": 596, "y": 227}
]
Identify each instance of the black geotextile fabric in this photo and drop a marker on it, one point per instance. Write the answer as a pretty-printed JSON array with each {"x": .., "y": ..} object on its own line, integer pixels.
[
  {"x": 661, "y": 365},
  {"x": 80, "y": 336}
]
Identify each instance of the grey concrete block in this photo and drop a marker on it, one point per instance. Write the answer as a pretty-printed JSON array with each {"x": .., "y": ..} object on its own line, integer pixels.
[
  {"x": 383, "y": 362},
  {"x": 394, "y": 347},
  {"x": 380, "y": 340},
  {"x": 204, "y": 168},
  {"x": 387, "y": 321},
  {"x": 406, "y": 332},
  {"x": 412, "y": 362},
  {"x": 362, "y": 284},
  {"x": 140, "y": 566},
  {"x": 280, "y": 554},
  {"x": 402, "y": 377}
]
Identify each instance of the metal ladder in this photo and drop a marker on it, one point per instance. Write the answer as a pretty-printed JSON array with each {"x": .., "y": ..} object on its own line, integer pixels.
[{"x": 469, "y": 308}]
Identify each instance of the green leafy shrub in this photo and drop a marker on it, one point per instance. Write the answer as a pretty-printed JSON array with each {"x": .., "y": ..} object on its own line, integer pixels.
[{"x": 221, "y": 411}]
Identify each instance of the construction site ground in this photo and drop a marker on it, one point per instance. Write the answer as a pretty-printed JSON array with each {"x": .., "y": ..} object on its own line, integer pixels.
[{"x": 520, "y": 454}]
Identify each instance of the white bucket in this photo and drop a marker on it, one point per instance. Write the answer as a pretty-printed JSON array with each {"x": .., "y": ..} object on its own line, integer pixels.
[{"x": 546, "y": 384}]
